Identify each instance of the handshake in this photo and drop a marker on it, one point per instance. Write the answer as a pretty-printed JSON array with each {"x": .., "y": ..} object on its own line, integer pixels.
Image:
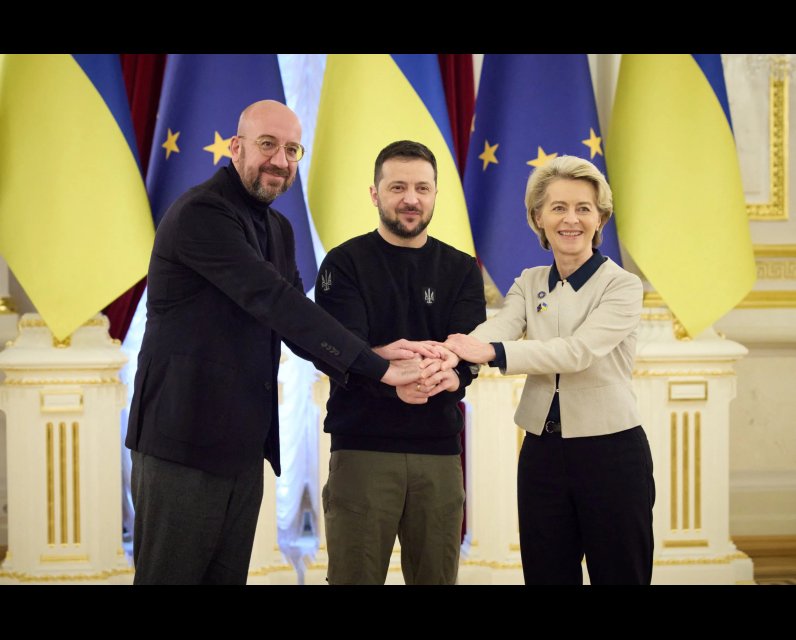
[{"x": 419, "y": 369}]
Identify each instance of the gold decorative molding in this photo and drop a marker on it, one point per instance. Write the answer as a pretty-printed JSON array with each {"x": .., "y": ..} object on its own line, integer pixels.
[
  {"x": 272, "y": 568},
  {"x": 490, "y": 564},
  {"x": 652, "y": 317},
  {"x": 768, "y": 300},
  {"x": 64, "y": 381},
  {"x": 653, "y": 299},
  {"x": 71, "y": 369},
  {"x": 768, "y": 251},
  {"x": 686, "y": 485},
  {"x": 97, "y": 322},
  {"x": 717, "y": 560},
  {"x": 673, "y": 471},
  {"x": 777, "y": 207},
  {"x": 683, "y": 448},
  {"x": 74, "y": 577},
  {"x": 675, "y": 544},
  {"x": 7, "y": 306},
  {"x": 62, "y": 479},
  {"x": 38, "y": 323},
  {"x": 679, "y": 330},
  {"x": 62, "y": 344},
  {"x": 31, "y": 323},
  {"x": 50, "y": 456},
  {"x": 681, "y": 373},
  {"x": 775, "y": 261},
  {"x": 776, "y": 269},
  {"x": 697, "y": 470},
  {"x": 67, "y": 558},
  {"x": 76, "y": 482},
  {"x": 753, "y": 300}
]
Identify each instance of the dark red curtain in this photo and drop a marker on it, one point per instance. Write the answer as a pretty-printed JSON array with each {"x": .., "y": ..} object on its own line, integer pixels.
[
  {"x": 457, "y": 79},
  {"x": 143, "y": 78},
  {"x": 459, "y": 85}
]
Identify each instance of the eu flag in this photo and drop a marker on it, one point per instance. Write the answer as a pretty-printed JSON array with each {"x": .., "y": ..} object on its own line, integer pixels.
[
  {"x": 202, "y": 99},
  {"x": 530, "y": 109}
]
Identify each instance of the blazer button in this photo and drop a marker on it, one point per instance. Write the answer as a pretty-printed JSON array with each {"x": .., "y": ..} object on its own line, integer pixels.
[
  {"x": 324, "y": 344},
  {"x": 267, "y": 386}
]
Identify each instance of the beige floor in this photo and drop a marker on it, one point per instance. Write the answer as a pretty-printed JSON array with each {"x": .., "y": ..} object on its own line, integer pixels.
[{"x": 774, "y": 557}]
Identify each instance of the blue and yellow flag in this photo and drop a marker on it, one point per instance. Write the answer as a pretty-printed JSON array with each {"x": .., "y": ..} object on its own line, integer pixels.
[
  {"x": 75, "y": 224},
  {"x": 368, "y": 102},
  {"x": 202, "y": 99},
  {"x": 679, "y": 202},
  {"x": 530, "y": 109}
]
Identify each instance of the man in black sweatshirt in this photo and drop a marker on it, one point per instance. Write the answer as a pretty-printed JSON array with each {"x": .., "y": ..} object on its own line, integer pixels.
[{"x": 395, "y": 466}]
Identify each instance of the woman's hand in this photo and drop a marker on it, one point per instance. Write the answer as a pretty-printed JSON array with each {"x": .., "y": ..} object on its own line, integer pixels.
[{"x": 470, "y": 349}]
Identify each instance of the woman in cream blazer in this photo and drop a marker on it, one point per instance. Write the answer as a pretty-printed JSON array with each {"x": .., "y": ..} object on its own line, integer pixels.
[{"x": 584, "y": 481}]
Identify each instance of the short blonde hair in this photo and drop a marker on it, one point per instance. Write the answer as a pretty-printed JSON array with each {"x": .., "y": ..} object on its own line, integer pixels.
[{"x": 567, "y": 168}]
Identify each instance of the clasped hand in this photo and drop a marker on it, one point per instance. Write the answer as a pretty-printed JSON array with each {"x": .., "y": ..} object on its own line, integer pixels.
[{"x": 423, "y": 369}]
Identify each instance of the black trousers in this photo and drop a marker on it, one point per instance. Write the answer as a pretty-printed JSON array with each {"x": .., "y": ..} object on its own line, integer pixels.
[
  {"x": 192, "y": 527},
  {"x": 588, "y": 496}
]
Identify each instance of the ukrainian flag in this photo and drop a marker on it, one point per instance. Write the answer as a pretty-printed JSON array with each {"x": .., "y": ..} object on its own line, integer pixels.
[
  {"x": 75, "y": 224},
  {"x": 367, "y": 102},
  {"x": 680, "y": 209}
]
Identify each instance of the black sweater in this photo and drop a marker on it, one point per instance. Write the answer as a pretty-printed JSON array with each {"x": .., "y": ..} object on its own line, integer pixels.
[{"x": 382, "y": 292}]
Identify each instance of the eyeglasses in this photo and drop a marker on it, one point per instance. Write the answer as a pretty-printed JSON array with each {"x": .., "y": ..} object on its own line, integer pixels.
[{"x": 269, "y": 147}]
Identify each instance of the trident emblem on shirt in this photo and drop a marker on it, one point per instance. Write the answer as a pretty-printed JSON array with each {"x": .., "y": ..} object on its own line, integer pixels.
[{"x": 326, "y": 281}]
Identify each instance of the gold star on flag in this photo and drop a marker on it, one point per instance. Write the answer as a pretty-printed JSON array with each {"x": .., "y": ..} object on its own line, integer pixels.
[
  {"x": 593, "y": 143},
  {"x": 541, "y": 159},
  {"x": 171, "y": 143},
  {"x": 219, "y": 148},
  {"x": 489, "y": 154}
]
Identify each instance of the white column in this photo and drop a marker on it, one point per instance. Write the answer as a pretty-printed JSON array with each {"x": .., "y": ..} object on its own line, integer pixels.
[
  {"x": 8, "y": 331},
  {"x": 491, "y": 551},
  {"x": 684, "y": 389},
  {"x": 62, "y": 402}
]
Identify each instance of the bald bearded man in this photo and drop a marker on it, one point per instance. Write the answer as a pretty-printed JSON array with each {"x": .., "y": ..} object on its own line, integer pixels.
[{"x": 224, "y": 290}]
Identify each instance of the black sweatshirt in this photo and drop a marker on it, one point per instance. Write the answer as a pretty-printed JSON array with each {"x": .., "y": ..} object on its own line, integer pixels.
[{"x": 382, "y": 292}]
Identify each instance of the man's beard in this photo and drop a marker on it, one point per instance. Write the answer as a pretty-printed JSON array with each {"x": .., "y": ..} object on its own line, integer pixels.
[
  {"x": 263, "y": 192},
  {"x": 395, "y": 226}
]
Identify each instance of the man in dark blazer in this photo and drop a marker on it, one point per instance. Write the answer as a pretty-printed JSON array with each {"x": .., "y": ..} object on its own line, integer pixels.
[{"x": 223, "y": 291}]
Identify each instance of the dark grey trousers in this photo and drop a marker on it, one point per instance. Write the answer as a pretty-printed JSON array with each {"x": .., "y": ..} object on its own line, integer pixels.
[{"x": 192, "y": 527}]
